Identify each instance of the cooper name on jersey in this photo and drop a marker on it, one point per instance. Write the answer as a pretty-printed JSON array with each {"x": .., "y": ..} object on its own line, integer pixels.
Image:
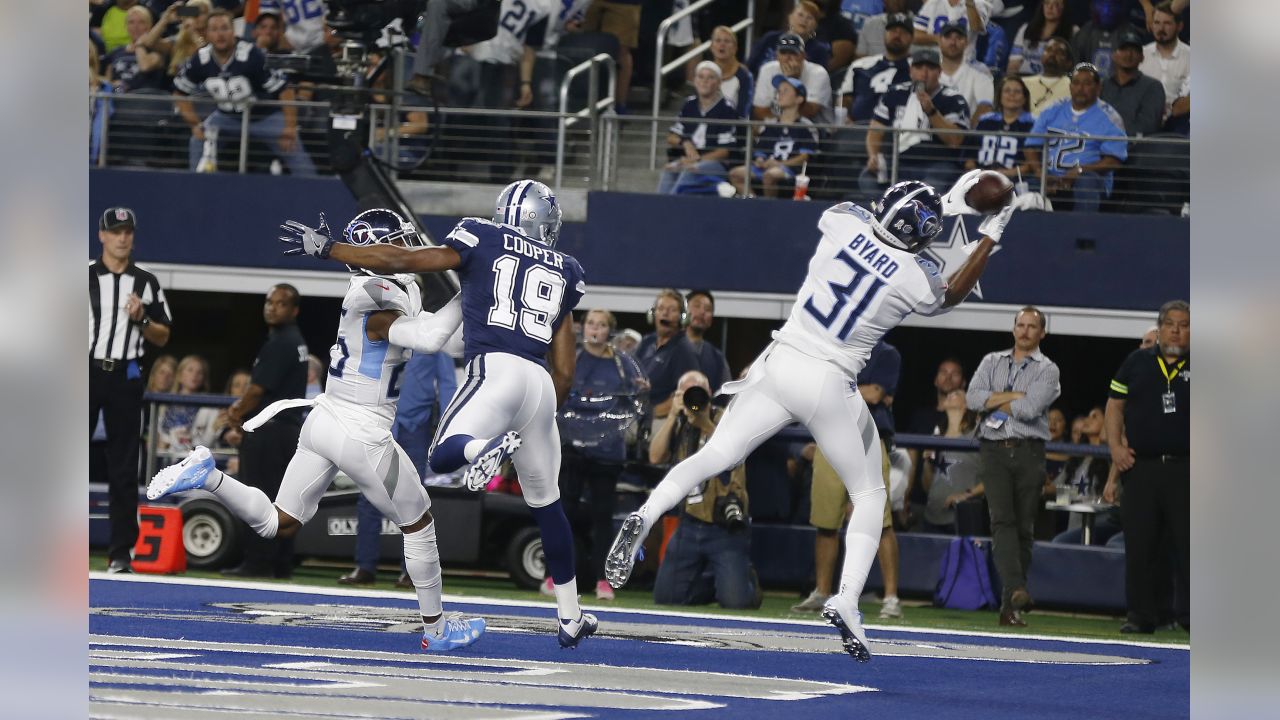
[{"x": 532, "y": 249}]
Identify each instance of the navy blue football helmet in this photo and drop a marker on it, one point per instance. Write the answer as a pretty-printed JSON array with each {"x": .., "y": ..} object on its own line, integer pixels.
[
  {"x": 910, "y": 213},
  {"x": 382, "y": 226}
]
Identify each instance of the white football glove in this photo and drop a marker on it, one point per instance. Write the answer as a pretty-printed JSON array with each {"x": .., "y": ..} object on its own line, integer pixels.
[
  {"x": 993, "y": 227},
  {"x": 953, "y": 203},
  {"x": 1033, "y": 201}
]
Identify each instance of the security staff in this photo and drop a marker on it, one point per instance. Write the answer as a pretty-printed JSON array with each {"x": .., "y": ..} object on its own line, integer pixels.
[
  {"x": 128, "y": 307},
  {"x": 1150, "y": 406},
  {"x": 279, "y": 373}
]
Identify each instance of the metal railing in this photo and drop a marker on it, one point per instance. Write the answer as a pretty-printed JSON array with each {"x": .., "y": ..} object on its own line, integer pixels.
[
  {"x": 594, "y": 106},
  {"x": 156, "y": 403},
  {"x": 660, "y": 69}
]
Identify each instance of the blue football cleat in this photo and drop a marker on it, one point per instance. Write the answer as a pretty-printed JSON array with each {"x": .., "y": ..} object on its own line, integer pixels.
[
  {"x": 452, "y": 632},
  {"x": 844, "y": 615},
  {"x": 625, "y": 550},
  {"x": 190, "y": 474},
  {"x": 573, "y": 631},
  {"x": 490, "y": 459}
]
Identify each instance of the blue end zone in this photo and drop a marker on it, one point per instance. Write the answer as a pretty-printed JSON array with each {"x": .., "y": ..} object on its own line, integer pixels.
[{"x": 242, "y": 650}]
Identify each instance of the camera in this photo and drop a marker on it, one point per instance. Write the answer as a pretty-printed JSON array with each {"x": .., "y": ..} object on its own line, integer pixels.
[
  {"x": 728, "y": 512},
  {"x": 696, "y": 398},
  {"x": 187, "y": 11}
]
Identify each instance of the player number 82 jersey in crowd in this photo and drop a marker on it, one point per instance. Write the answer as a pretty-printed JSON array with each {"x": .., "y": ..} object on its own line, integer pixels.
[
  {"x": 362, "y": 371},
  {"x": 857, "y": 289}
]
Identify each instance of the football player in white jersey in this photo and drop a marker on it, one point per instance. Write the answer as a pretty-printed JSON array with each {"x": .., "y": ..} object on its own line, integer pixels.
[
  {"x": 864, "y": 278},
  {"x": 349, "y": 429}
]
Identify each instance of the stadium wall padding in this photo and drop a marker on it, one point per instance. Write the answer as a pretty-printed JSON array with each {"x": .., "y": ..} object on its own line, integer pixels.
[{"x": 1123, "y": 262}]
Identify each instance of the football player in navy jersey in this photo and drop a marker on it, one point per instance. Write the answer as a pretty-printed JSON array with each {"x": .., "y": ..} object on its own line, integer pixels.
[
  {"x": 517, "y": 293},
  {"x": 870, "y": 77},
  {"x": 995, "y": 150},
  {"x": 234, "y": 72}
]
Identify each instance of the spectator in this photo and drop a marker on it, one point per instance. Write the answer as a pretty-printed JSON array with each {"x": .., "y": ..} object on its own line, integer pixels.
[
  {"x": 702, "y": 313},
  {"x": 627, "y": 341},
  {"x": 436, "y": 19},
  {"x": 923, "y": 105},
  {"x": 1077, "y": 429},
  {"x": 1080, "y": 164},
  {"x": 1138, "y": 99},
  {"x": 235, "y": 74},
  {"x": 267, "y": 32},
  {"x": 837, "y": 31},
  {"x": 620, "y": 18},
  {"x": 736, "y": 83},
  {"x": 1167, "y": 58},
  {"x": 973, "y": 15},
  {"x": 237, "y": 384},
  {"x": 182, "y": 427},
  {"x": 1149, "y": 405},
  {"x": 315, "y": 376},
  {"x": 950, "y": 477},
  {"x": 1013, "y": 390},
  {"x": 1179, "y": 121},
  {"x": 1053, "y": 83},
  {"x": 100, "y": 108},
  {"x": 1055, "y": 461},
  {"x": 597, "y": 425},
  {"x": 665, "y": 354},
  {"x": 305, "y": 30},
  {"x": 791, "y": 63},
  {"x": 1085, "y": 477},
  {"x": 190, "y": 36},
  {"x": 1029, "y": 44},
  {"x": 870, "y": 77},
  {"x": 700, "y": 152},
  {"x": 783, "y": 146},
  {"x": 801, "y": 22},
  {"x": 132, "y": 67},
  {"x": 163, "y": 374},
  {"x": 861, "y": 12},
  {"x": 114, "y": 29},
  {"x": 1149, "y": 337},
  {"x": 970, "y": 79},
  {"x": 873, "y": 29},
  {"x": 931, "y": 419},
  {"x": 995, "y": 150},
  {"x": 991, "y": 49},
  {"x": 1094, "y": 41},
  {"x": 709, "y": 556}
]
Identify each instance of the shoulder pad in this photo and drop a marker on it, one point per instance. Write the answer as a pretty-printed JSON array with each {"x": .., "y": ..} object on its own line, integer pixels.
[
  {"x": 205, "y": 53},
  {"x": 370, "y": 293}
]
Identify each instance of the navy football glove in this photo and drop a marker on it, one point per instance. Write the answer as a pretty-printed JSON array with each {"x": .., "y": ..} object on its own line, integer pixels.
[{"x": 315, "y": 242}]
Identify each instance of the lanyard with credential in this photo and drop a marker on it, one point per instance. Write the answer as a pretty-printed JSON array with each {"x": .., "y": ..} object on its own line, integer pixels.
[
  {"x": 1014, "y": 375},
  {"x": 1169, "y": 376}
]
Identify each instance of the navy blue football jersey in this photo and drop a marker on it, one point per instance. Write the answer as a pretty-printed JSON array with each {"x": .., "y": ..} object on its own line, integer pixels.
[
  {"x": 245, "y": 77},
  {"x": 993, "y": 148},
  {"x": 515, "y": 290},
  {"x": 869, "y": 79},
  {"x": 127, "y": 78},
  {"x": 779, "y": 141}
]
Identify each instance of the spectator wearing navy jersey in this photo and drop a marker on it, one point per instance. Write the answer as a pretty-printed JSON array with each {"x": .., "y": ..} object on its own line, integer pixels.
[
  {"x": 126, "y": 307},
  {"x": 132, "y": 66},
  {"x": 1053, "y": 83},
  {"x": 1028, "y": 48},
  {"x": 736, "y": 81},
  {"x": 802, "y": 22},
  {"x": 235, "y": 74},
  {"x": 921, "y": 106},
  {"x": 1079, "y": 166},
  {"x": 870, "y": 77},
  {"x": 1094, "y": 41},
  {"x": 970, "y": 79},
  {"x": 1137, "y": 98},
  {"x": 791, "y": 63},
  {"x": 700, "y": 151},
  {"x": 783, "y": 146},
  {"x": 665, "y": 354},
  {"x": 995, "y": 150}
]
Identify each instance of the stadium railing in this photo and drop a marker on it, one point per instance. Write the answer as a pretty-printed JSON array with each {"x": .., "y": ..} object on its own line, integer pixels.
[{"x": 155, "y": 405}]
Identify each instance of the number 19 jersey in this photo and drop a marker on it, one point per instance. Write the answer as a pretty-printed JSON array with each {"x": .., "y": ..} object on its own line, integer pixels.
[
  {"x": 363, "y": 371},
  {"x": 857, "y": 289},
  {"x": 515, "y": 290}
]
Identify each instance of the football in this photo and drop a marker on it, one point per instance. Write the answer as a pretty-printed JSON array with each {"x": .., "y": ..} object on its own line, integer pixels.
[{"x": 990, "y": 194}]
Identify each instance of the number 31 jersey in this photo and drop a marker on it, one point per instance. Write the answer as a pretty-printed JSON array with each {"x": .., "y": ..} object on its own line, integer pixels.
[
  {"x": 515, "y": 290},
  {"x": 857, "y": 289},
  {"x": 364, "y": 371}
]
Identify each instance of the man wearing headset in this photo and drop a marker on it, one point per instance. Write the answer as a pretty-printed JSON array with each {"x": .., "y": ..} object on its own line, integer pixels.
[{"x": 666, "y": 354}]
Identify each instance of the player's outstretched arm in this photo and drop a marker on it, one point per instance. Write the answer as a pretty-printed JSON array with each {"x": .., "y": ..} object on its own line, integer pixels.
[
  {"x": 563, "y": 358},
  {"x": 384, "y": 258},
  {"x": 427, "y": 332},
  {"x": 961, "y": 283}
]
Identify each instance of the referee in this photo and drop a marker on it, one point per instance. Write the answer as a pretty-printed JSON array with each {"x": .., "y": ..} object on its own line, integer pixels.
[
  {"x": 1150, "y": 404},
  {"x": 128, "y": 307}
]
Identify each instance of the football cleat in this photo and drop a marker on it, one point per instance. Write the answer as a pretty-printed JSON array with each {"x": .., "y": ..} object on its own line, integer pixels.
[
  {"x": 844, "y": 615},
  {"x": 625, "y": 550},
  {"x": 452, "y": 632},
  {"x": 573, "y": 631},
  {"x": 490, "y": 460},
  {"x": 190, "y": 474}
]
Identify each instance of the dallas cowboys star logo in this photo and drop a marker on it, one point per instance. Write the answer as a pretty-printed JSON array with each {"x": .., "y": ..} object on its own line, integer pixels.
[{"x": 951, "y": 253}]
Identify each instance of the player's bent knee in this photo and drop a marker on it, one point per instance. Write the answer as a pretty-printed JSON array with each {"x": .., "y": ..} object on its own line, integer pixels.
[{"x": 419, "y": 524}]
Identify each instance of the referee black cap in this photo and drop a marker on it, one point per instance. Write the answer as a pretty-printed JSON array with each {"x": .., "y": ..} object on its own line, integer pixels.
[{"x": 114, "y": 218}]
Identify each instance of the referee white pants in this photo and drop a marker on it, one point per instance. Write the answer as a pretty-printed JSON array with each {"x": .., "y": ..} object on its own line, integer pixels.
[
  {"x": 505, "y": 392},
  {"x": 339, "y": 436}
]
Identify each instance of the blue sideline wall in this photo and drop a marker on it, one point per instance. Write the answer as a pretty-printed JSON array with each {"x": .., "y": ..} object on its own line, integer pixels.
[{"x": 638, "y": 240}]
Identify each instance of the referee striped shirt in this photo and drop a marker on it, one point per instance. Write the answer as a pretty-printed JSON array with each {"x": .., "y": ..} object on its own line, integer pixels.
[{"x": 111, "y": 335}]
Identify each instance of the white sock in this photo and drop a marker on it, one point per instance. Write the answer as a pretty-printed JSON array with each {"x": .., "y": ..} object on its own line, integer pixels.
[
  {"x": 707, "y": 462},
  {"x": 472, "y": 449},
  {"x": 249, "y": 504},
  {"x": 422, "y": 562},
  {"x": 567, "y": 600},
  {"x": 861, "y": 540}
]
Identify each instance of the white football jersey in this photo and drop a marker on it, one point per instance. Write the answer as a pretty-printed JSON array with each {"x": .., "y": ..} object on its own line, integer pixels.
[
  {"x": 516, "y": 17},
  {"x": 362, "y": 371},
  {"x": 303, "y": 19},
  {"x": 858, "y": 288}
]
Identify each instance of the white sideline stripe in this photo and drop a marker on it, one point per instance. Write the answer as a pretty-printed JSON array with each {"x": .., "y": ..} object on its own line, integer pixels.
[{"x": 481, "y": 600}]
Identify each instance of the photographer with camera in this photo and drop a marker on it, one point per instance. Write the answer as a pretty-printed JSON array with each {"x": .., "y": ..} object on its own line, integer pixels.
[{"x": 708, "y": 557}]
